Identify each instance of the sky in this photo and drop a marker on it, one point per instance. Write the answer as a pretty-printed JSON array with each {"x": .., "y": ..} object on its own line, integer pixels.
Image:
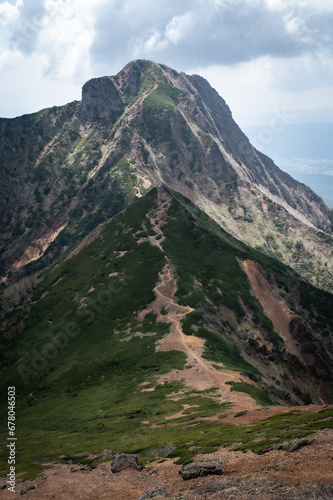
[{"x": 265, "y": 57}]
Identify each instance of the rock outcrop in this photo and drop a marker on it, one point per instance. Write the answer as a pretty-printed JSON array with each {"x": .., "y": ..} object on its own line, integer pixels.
[
  {"x": 200, "y": 469},
  {"x": 156, "y": 492},
  {"x": 124, "y": 461}
]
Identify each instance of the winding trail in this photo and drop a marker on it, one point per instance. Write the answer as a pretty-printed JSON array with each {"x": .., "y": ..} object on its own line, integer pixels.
[{"x": 199, "y": 373}]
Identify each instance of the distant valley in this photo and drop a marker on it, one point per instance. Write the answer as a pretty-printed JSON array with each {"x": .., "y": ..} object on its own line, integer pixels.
[{"x": 303, "y": 150}]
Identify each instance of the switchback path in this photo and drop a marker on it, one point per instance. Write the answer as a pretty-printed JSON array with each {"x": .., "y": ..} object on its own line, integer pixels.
[{"x": 199, "y": 373}]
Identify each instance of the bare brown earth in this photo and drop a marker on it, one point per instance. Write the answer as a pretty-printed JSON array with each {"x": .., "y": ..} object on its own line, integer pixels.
[
  {"x": 200, "y": 373},
  {"x": 286, "y": 472},
  {"x": 274, "y": 306},
  {"x": 37, "y": 249}
]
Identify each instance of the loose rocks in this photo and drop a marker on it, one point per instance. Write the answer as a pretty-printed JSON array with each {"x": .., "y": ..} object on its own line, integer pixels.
[
  {"x": 124, "y": 461},
  {"x": 158, "y": 491},
  {"x": 200, "y": 469},
  {"x": 27, "y": 489}
]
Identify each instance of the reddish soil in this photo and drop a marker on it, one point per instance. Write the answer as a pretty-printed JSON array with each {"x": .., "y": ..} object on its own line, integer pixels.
[
  {"x": 200, "y": 374},
  {"x": 274, "y": 306},
  {"x": 310, "y": 464},
  {"x": 269, "y": 411},
  {"x": 37, "y": 248}
]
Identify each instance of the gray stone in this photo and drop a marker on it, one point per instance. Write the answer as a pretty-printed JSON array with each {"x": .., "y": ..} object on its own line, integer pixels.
[
  {"x": 157, "y": 491},
  {"x": 124, "y": 461},
  {"x": 27, "y": 489},
  {"x": 200, "y": 469}
]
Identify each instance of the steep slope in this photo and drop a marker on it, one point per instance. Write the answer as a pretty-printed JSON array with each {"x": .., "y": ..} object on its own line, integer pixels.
[
  {"x": 65, "y": 170},
  {"x": 152, "y": 332}
]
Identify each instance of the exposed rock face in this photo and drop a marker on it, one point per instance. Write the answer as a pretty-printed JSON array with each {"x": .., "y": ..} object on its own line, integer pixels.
[
  {"x": 200, "y": 469},
  {"x": 156, "y": 492},
  {"x": 67, "y": 169},
  {"x": 100, "y": 99},
  {"x": 124, "y": 461}
]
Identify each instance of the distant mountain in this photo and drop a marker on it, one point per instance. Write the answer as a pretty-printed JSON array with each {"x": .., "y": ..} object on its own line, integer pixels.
[
  {"x": 64, "y": 170},
  {"x": 155, "y": 328}
]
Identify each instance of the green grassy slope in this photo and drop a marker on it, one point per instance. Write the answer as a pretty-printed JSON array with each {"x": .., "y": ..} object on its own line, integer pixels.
[{"x": 78, "y": 364}]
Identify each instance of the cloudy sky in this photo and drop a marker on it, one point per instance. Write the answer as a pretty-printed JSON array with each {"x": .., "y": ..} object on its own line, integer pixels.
[{"x": 262, "y": 56}]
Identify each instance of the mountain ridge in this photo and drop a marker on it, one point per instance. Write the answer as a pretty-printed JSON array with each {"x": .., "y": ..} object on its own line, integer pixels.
[
  {"x": 152, "y": 335},
  {"x": 69, "y": 168}
]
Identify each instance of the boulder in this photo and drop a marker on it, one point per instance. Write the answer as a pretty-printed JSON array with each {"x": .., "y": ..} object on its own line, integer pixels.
[
  {"x": 155, "y": 492},
  {"x": 122, "y": 461},
  {"x": 200, "y": 469}
]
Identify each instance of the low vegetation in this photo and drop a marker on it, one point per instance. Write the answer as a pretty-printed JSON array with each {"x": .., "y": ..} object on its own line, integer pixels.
[{"x": 86, "y": 370}]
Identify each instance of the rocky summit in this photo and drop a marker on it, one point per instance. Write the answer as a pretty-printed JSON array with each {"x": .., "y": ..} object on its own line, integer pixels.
[
  {"x": 166, "y": 298},
  {"x": 66, "y": 169}
]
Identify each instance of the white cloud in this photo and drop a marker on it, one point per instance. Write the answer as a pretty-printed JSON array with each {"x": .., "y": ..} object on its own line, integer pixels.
[
  {"x": 68, "y": 33},
  {"x": 262, "y": 49},
  {"x": 267, "y": 85},
  {"x": 60, "y": 33},
  {"x": 24, "y": 88},
  {"x": 179, "y": 27}
]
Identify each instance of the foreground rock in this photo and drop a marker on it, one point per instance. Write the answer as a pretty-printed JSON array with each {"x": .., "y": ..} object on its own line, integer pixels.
[
  {"x": 124, "y": 461},
  {"x": 200, "y": 469},
  {"x": 27, "y": 489},
  {"x": 156, "y": 492}
]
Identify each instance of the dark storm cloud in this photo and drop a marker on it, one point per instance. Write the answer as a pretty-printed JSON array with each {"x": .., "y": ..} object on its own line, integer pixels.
[{"x": 191, "y": 34}]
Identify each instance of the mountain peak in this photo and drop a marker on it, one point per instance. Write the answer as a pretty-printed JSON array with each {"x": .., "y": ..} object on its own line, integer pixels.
[
  {"x": 150, "y": 262},
  {"x": 107, "y": 97},
  {"x": 146, "y": 126}
]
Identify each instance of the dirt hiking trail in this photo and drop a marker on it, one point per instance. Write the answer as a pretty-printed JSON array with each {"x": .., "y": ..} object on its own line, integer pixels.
[{"x": 199, "y": 373}]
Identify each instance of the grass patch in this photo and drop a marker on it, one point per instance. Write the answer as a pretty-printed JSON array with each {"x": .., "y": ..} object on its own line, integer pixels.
[
  {"x": 165, "y": 96},
  {"x": 260, "y": 397},
  {"x": 240, "y": 413},
  {"x": 223, "y": 351}
]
